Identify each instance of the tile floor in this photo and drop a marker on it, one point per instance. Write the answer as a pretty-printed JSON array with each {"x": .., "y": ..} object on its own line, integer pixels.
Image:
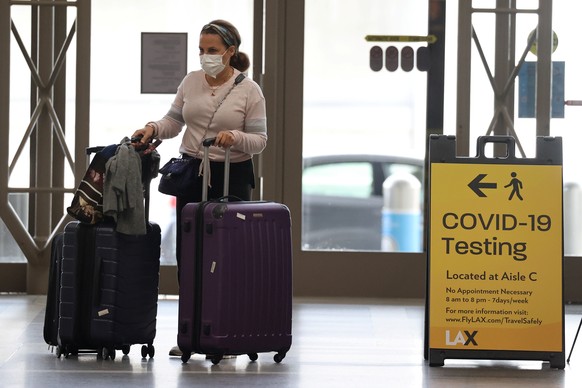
[{"x": 336, "y": 343}]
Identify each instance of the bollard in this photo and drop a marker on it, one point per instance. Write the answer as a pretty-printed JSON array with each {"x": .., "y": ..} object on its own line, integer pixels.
[
  {"x": 572, "y": 219},
  {"x": 401, "y": 214}
]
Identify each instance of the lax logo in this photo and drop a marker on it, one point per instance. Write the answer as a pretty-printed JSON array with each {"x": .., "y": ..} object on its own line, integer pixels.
[{"x": 463, "y": 337}]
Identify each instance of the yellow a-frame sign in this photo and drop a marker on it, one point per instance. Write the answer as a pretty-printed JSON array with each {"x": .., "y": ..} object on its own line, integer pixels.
[{"x": 495, "y": 254}]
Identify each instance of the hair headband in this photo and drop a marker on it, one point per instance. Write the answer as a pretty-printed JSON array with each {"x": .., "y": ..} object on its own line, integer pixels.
[{"x": 224, "y": 33}]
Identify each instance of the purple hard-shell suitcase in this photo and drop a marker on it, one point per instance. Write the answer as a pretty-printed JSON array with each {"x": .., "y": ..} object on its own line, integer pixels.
[{"x": 235, "y": 279}]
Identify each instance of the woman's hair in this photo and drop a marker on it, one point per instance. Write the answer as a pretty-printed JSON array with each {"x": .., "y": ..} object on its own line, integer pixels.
[{"x": 230, "y": 37}]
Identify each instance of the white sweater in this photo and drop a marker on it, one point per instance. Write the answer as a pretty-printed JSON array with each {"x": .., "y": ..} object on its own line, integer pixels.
[{"x": 243, "y": 112}]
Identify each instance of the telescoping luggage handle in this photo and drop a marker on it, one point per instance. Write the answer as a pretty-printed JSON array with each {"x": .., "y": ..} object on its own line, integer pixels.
[{"x": 206, "y": 143}]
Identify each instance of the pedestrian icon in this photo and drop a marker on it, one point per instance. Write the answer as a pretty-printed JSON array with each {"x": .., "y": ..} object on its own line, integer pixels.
[{"x": 516, "y": 185}]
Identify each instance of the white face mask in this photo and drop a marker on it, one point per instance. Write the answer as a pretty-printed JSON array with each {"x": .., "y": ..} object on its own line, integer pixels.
[{"x": 212, "y": 64}]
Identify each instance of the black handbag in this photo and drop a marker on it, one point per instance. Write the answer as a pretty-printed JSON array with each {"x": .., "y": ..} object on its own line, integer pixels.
[{"x": 178, "y": 177}]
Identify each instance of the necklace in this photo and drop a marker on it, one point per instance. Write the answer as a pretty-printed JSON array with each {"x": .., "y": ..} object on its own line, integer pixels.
[{"x": 214, "y": 88}]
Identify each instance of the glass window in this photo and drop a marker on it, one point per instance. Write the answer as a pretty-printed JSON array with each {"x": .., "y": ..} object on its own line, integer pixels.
[
  {"x": 354, "y": 111},
  {"x": 10, "y": 252},
  {"x": 339, "y": 179}
]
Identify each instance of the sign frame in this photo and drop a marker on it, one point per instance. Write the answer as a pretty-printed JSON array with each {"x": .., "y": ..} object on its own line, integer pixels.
[{"x": 461, "y": 344}]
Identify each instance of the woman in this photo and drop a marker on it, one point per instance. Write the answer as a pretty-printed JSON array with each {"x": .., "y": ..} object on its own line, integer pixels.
[{"x": 209, "y": 103}]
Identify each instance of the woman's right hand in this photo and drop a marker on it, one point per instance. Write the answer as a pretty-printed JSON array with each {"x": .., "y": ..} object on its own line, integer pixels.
[{"x": 146, "y": 134}]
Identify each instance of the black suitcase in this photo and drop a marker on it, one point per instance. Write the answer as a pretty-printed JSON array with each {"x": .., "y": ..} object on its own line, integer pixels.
[
  {"x": 103, "y": 286},
  {"x": 109, "y": 290}
]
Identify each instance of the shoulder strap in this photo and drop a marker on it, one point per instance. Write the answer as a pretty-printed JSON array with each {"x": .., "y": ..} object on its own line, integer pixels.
[{"x": 239, "y": 78}]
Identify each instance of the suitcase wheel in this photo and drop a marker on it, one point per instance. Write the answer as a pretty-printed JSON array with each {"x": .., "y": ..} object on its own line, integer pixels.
[
  {"x": 253, "y": 356},
  {"x": 125, "y": 349},
  {"x": 216, "y": 358},
  {"x": 279, "y": 357},
  {"x": 69, "y": 350},
  {"x": 185, "y": 357},
  {"x": 59, "y": 351},
  {"x": 105, "y": 353},
  {"x": 148, "y": 350}
]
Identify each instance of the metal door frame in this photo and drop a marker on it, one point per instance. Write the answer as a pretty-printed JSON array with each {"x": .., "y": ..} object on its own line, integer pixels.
[
  {"x": 506, "y": 70},
  {"x": 45, "y": 131}
]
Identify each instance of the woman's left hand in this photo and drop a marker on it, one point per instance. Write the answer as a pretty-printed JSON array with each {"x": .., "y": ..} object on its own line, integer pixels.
[{"x": 224, "y": 139}]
